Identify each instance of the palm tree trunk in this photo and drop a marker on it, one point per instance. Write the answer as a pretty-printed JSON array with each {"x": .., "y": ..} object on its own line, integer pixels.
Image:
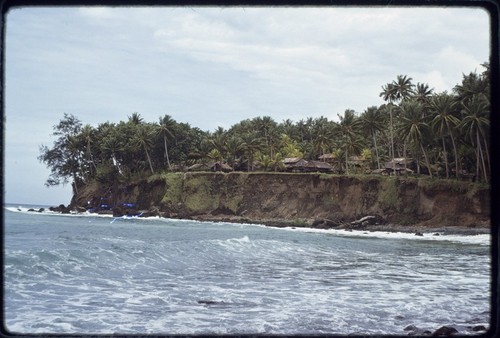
[
  {"x": 346, "y": 157},
  {"x": 376, "y": 149},
  {"x": 445, "y": 158},
  {"x": 486, "y": 150},
  {"x": 149, "y": 160},
  {"x": 166, "y": 153},
  {"x": 456, "y": 155},
  {"x": 426, "y": 159},
  {"x": 482, "y": 157},
  {"x": 392, "y": 136}
]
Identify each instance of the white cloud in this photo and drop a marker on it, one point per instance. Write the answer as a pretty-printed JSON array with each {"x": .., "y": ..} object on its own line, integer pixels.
[
  {"x": 97, "y": 12},
  {"x": 218, "y": 66}
]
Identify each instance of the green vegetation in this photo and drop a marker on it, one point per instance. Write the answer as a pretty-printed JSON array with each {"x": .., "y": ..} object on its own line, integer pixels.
[{"x": 445, "y": 134}]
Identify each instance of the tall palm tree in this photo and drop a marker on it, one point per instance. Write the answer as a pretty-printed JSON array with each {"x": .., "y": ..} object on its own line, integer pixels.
[
  {"x": 135, "y": 118},
  {"x": 166, "y": 129},
  {"x": 389, "y": 95},
  {"x": 444, "y": 123},
  {"x": 143, "y": 138},
  {"x": 88, "y": 136},
  {"x": 413, "y": 128},
  {"x": 234, "y": 146},
  {"x": 372, "y": 121},
  {"x": 472, "y": 84},
  {"x": 251, "y": 144},
  {"x": 423, "y": 93},
  {"x": 403, "y": 87},
  {"x": 348, "y": 127},
  {"x": 476, "y": 124},
  {"x": 218, "y": 140},
  {"x": 111, "y": 145}
]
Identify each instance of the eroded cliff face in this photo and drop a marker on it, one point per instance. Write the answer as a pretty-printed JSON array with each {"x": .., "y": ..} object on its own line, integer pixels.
[{"x": 264, "y": 196}]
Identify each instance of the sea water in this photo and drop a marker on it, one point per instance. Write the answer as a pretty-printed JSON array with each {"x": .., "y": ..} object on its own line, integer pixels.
[{"x": 93, "y": 274}]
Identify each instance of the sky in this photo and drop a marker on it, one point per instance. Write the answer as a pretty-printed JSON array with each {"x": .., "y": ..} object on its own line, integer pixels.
[{"x": 214, "y": 66}]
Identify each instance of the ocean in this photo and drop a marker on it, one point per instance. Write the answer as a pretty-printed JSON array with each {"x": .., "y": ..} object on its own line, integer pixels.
[{"x": 99, "y": 274}]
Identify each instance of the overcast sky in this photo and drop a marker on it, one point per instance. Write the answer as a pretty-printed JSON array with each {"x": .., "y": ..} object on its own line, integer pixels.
[{"x": 214, "y": 67}]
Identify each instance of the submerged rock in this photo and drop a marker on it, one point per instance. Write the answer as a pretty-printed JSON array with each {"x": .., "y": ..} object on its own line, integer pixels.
[{"x": 210, "y": 302}]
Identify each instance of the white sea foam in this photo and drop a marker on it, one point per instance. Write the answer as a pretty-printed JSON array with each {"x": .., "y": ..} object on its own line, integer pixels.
[{"x": 479, "y": 239}]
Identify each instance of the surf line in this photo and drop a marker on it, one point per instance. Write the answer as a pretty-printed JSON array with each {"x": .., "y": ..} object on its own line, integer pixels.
[{"x": 126, "y": 216}]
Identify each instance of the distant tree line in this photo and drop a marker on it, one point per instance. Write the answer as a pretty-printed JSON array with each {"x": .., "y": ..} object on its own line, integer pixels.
[{"x": 446, "y": 134}]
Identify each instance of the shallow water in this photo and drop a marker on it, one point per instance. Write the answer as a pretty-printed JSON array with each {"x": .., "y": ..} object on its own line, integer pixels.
[{"x": 90, "y": 274}]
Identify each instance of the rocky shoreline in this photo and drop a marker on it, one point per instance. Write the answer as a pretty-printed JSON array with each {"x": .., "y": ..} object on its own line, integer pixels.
[{"x": 367, "y": 223}]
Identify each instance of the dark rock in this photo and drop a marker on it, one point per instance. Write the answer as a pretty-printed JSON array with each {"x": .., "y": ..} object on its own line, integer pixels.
[
  {"x": 61, "y": 208},
  {"x": 418, "y": 233},
  {"x": 410, "y": 328},
  {"x": 479, "y": 328},
  {"x": 445, "y": 331},
  {"x": 210, "y": 302},
  {"x": 436, "y": 234},
  {"x": 399, "y": 317},
  {"x": 41, "y": 210},
  {"x": 31, "y": 210},
  {"x": 415, "y": 331}
]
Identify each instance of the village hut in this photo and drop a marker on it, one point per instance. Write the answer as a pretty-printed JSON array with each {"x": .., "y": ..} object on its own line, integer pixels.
[
  {"x": 318, "y": 166},
  {"x": 210, "y": 166},
  {"x": 328, "y": 158},
  {"x": 294, "y": 163},
  {"x": 398, "y": 165}
]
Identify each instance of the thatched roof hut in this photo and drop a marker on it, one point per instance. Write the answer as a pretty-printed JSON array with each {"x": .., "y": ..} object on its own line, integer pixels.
[
  {"x": 210, "y": 166},
  {"x": 294, "y": 163},
  {"x": 318, "y": 166}
]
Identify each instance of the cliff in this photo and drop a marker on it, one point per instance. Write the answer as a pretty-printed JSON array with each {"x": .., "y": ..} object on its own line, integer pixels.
[{"x": 297, "y": 198}]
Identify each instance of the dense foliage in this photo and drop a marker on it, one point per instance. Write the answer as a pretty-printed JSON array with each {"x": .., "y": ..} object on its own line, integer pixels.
[{"x": 446, "y": 135}]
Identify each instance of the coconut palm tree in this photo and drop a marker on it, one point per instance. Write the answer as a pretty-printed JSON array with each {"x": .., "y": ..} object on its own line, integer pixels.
[
  {"x": 135, "y": 118},
  {"x": 219, "y": 140},
  {"x": 423, "y": 93},
  {"x": 143, "y": 138},
  {"x": 166, "y": 129},
  {"x": 413, "y": 128},
  {"x": 252, "y": 143},
  {"x": 372, "y": 121},
  {"x": 475, "y": 124},
  {"x": 348, "y": 128},
  {"x": 111, "y": 145},
  {"x": 234, "y": 146},
  {"x": 444, "y": 123},
  {"x": 88, "y": 136},
  {"x": 403, "y": 88},
  {"x": 471, "y": 85}
]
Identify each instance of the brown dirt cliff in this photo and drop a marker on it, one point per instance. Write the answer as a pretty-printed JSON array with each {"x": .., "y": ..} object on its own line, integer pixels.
[{"x": 299, "y": 198}]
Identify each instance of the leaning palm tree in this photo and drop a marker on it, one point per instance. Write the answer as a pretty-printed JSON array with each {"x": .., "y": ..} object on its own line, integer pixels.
[
  {"x": 166, "y": 130},
  {"x": 442, "y": 106},
  {"x": 143, "y": 138}
]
